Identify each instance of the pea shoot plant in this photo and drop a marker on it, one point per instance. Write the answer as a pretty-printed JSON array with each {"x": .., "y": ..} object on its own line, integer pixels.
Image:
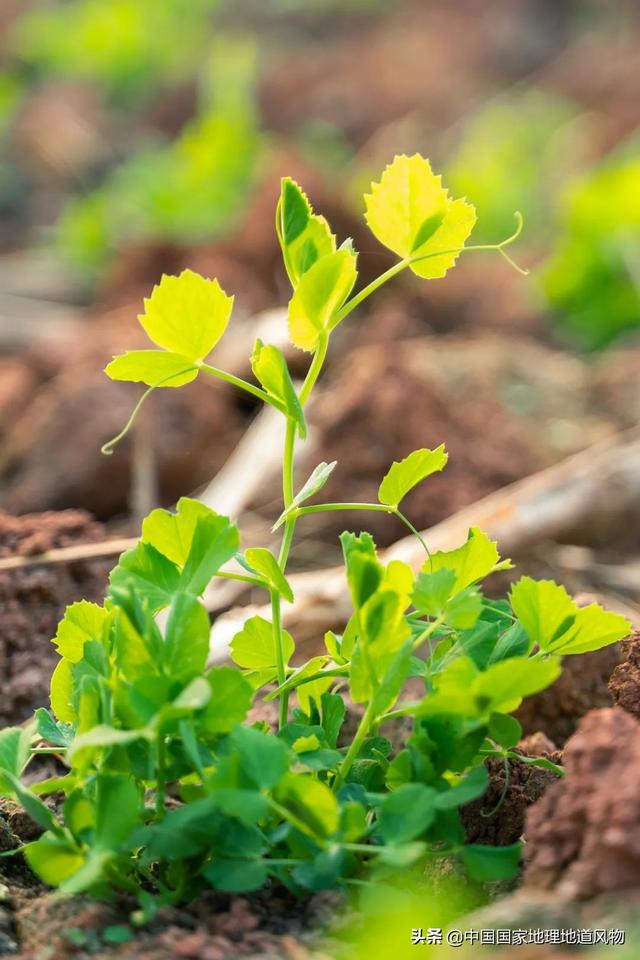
[{"x": 168, "y": 787}]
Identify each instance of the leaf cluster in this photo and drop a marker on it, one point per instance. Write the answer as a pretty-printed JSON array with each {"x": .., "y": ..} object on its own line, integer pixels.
[{"x": 171, "y": 785}]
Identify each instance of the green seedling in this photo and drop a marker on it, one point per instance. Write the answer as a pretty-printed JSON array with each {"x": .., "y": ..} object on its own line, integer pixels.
[{"x": 169, "y": 787}]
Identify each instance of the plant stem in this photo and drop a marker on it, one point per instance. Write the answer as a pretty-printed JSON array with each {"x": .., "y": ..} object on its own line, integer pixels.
[
  {"x": 356, "y": 745},
  {"x": 316, "y": 366},
  {"x": 414, "y": 531},
  {"x": 254, "y": 581},
  {"x": 242, "y": 384},
  {"x": 426, "y": 633},
  {"x": 278, "y": 644},
  {"x": 369, "y": 289},
  {"x": 331, "y": 507},
  {"x": 160, "y": 774}
]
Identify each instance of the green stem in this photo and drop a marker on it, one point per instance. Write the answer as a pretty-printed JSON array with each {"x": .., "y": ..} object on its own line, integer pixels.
[
  {"x": 331, "y": 507},
  {"x": 279, "y": 651},
  {"x": 414, "y": 531},
  {"x": 254, "y": 581},
  {"x": 316, "y": 366},
  {"x": 293, "y": 820},
  {"x": 242, "y": 384},
  {"x": 356, "y": 745},
  {"x": 433, "y": 626},
  {"x": 160, "y": 774},
  {"x": 369, "y": 289}
]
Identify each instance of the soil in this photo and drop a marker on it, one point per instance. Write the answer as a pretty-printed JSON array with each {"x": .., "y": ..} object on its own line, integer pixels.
[
  {"x": 624, "y": 684},
  {"x": 583, "y": 835},
  {"x": 498, "y": 816},
  {"x": 581, "y": 687},
  {"x": 33, "y": 599}
]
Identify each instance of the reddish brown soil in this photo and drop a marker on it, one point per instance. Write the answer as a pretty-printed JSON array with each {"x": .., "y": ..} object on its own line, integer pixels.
[
  {"x": 583, "y": 836},
  {"x": 624, "y": 684},
  {"x": 32, "y": 601},
  {"x": 498, "y": 816},
  {"x": 582, "y": 686}
]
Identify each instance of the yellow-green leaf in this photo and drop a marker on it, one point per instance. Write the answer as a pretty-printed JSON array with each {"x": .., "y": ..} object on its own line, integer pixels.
[
  {"x": 304, "y": 236},
  {"x": 553, "y": 620},
  {"x": 82, "y": 621},
  {"x": 410, "y": 212},
  {"x": 156, "y": 368},
  {"x": 187, "y": 314},
  {"x": 404, "y": 475},
  {"x": 473, "y": 561},
  {"x": 172, "y": 533},
  {"x": 321, "y": 292},
  {"x": 254, "y": 647},
  {"x": 263, "y": 562},
  {"x": 270, "y": 369},
  {"x": 62, "y": 692}
]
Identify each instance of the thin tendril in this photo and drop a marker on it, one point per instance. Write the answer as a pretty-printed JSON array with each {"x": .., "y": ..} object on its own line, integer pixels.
[{"x": 108, "y": 447}]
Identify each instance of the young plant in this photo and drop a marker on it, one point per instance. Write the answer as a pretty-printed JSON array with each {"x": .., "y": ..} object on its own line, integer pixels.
[{"x": 168, "y": 786}]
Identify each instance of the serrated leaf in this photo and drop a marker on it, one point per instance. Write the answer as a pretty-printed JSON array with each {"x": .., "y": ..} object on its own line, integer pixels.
[
  {"x": 150, "y": 574},
  {"x": 304, "y": 236},
  {"x": 270, "y": 369},
  {"x": 172, "y": 534},
  {"x": 61, "y": 693},
  {"x": 156, "y": 368},
  {"x": 554, "y": 621},
  {"x": 410, "y": 212},
  {"x": 186, "y": 642},
  {"x": 264, "y": 563},
  {"x": 215, "y": 541},
  {"x": 253, "y": 647},
  {"x": 186, "y": 314},
  {"x": 315, "y": 483},
  {"x": 404, "y": 475},
  {"x": 471, "y": 562},
  {"x": 321, "y": 292},
  {"x": 82, "y": 621}
]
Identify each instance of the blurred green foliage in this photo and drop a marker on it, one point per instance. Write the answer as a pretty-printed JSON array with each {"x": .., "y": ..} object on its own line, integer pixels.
[
  {"x": 185, "y": 190},
  {"x": 126, "y": 48},
  {"x": 592, "y": 279},
  {"x": 513, "y": 155}
]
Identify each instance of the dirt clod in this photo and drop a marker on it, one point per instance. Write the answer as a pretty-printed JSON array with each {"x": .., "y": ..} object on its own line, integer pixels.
[
  {"x": 584, "y": 834},
  {"x": 624, "y": 684},
  {"x": 33, "y": 599}
]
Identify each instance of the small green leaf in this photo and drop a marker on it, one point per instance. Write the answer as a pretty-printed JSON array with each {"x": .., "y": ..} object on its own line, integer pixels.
[
  {"x": 102, "y": 737},
  {"x": 466, "y": 789},
  {"x": 312, "y": 803},
  {"x": 304, "y": 236},
  {"x": 155, "y": 368},
  {"x": 151, "y": 575},
  {"x": 32, "y": 804},
  {"x": 186, "y": 643},
  {"x": 410, "y": 212},
  {"x": 406, "y": 813},
  {"x": 53, "y": 858},
  {"x": 316, "y": 482},
  {"x": 14, "y": 753},
  {"x": 270, "y": 369},
  {"x": 486, "y": 863},
  {"x": 505, "y": 730},
  {"x": 264, "y": 563},
  {"x": 231, "y": 697},
  {"x": 263, "y": 757},
  {"x": 60, "y": 735},
  {"x": 236, "y": 876},
  {"x": 215, "y": 541},
  {"x": 431, "y": 592},
  {"x": 187, "y": 314},
  {"x": 404, "y": 475},
  {"x": 82, "y": 621},
  {"x": 253, "y": 647},
  {"x": 321, "y": 292},
  {"x": 172, "y": 533},
  {"x": 117, "y": 810},
  {"x": 555, "y": 622},
  {"x": 61, "y": 693},
  {"x": 473, "y": 561}
]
